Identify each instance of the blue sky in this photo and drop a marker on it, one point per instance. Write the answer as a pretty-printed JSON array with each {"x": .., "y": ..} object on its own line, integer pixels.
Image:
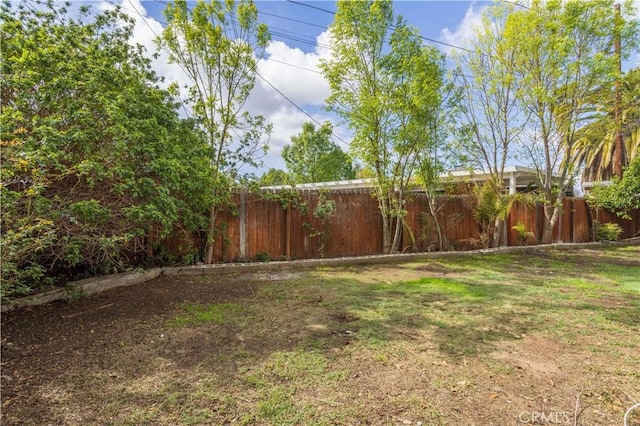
[
  {"x": 299, "y": 40},
  {"x": 299, "y": 34}
]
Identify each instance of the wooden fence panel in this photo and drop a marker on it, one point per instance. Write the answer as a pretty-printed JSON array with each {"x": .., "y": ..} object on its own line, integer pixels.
[
  {"x": 302, "y": 228},
  {"x": 528, "y": 216},
  {"x": 459, "y": 226},
  {"x": 355, "y": 228},
  {"x": 581, "y": 221},
  {"x": 227, "y": 237},
  {"x": 419, "y": 226},
  {"x": 265, "y": 227},
  {"x": 630, "y": 227}
]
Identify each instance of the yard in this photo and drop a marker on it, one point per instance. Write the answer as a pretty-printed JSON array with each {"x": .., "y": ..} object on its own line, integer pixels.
[{"x": 546, "y": 337}]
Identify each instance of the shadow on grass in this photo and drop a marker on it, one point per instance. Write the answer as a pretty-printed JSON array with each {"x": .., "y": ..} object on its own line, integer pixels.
[
  {"x": 464, "y": 317},
  {"x": 247, "y": 347},
  {"x": 594, "y": 313},
  {"x": 459, "y": 317}
]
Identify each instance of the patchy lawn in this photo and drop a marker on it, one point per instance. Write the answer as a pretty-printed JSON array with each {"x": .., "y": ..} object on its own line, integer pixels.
[{"x": 539, "y": 338}]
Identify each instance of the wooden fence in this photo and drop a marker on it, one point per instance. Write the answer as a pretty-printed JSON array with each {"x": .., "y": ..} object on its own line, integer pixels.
[{"x": 263, "y": 228}]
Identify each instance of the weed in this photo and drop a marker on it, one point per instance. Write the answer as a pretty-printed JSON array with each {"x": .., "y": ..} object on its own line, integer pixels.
[
  {"x": 196, "y": 417},
  {"x": 263, "y": 256},
  {"x": 199, "y": 314}
]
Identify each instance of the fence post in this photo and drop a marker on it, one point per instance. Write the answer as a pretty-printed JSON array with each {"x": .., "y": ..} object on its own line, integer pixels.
[
  {"x": 287, "y": 241},
  {"x": 572, "y": 211},
  {"x": 243, "y": 225}
]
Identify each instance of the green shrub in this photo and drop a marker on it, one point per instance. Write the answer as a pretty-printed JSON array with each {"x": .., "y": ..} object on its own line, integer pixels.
[
  {"x": 263, "y": 256},
  {"x": 608, "y": 231},
  {"x": 521, "y": 233}
]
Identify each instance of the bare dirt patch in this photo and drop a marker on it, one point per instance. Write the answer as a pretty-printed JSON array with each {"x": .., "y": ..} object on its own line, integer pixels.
[{"x": 534, "y": 354}]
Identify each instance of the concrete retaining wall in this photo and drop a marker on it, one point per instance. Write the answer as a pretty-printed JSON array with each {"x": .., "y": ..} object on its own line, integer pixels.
[{"x": 98, "y": 284}]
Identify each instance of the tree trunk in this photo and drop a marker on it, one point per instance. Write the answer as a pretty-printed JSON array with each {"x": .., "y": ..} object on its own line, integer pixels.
[
  {"x": 399, "y": 221},
  {"x": 551, "y": 215},
  {"x": 386, "y": 244},
  {"x": 208, "y": 255},
  {"x": 436, "y": 222},
  {"x": 412, "y": 237},
  {"x": 395, "y": 245},
  {"x": 497, "y": 233},
  {"x": 383, "y": 204}
]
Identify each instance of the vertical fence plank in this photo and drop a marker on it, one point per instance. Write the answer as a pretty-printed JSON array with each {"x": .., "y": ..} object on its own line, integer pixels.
[
  {"x": 581, "y": 221},
  {"x": 355, "y": 228}
]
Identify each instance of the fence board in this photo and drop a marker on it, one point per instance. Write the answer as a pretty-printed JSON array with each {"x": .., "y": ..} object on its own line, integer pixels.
[
  {"x": 355, "y": 228},
  {"x": 630, "y": 227},
  {"x": 581, "y": 221},
  {"x": 529, "y": 217}
]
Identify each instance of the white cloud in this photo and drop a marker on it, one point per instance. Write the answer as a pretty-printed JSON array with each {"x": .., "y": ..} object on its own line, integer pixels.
[
  {"x": 464, "y": 31},
  {"x": 145, "y": 31},
  {"x": 288, "y": 69},
  {"x": 295, "y": 73}
]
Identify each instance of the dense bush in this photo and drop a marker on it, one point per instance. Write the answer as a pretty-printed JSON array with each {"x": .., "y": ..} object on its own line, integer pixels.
[
  {"x": 608, "y": 231},
  {"x": 96, "y": 161},
  {"x": 623, "y": 196}
]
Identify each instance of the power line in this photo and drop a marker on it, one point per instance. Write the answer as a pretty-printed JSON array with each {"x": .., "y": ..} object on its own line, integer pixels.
[
  {"x": 285, "y": 30},
  {"x": 292, "y": 65},
  {"x": 299, "y": 108},
  {"x": 282, "y": 34},
  {"x": 298, "y": 39},
  {"x": 258, "y": 74},
  {"x": 265, "y": 59},
  {"x": 390, "y": 28},
  {"x": 312, "y": 7},
  {"x": 292, "y": 19},
  {"x": 282, "y": 62}
]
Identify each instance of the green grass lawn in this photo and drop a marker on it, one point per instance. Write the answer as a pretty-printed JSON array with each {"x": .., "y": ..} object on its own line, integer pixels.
[
  {"x": 325, "y": 325},
  {"x": 482, "y": 339}
]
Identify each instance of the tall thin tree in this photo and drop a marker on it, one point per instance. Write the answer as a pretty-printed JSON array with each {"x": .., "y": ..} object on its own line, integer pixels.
[{"x": 218, "y": 43}]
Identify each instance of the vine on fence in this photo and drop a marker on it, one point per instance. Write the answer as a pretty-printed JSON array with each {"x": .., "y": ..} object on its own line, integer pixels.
[{"x": 323, "y": 211}]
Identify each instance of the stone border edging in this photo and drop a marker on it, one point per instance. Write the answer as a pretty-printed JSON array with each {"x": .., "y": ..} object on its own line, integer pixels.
[
  {"x": 86, "y": 286},
  {"x": 233, "y": 268},
  {"x": 99, "y": 284}
]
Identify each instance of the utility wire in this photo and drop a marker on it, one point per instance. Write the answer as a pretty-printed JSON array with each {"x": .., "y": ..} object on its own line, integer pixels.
[
  {"x": 292, "y": 19},
  {"x": 299, "y": 108},
  {"x": 182, "y": 101},
  {"x": 259, "y": 75},
  {"x": 285, "y": 63},
  {"x": 390, "y": 28},
  {"x": 292, "y": 65},
  {"x": 312, "y": 7},
  {"x": 298, "y": 39},
  {"x": 265, "y": 59},
  {"x": 283, "y": 34}
]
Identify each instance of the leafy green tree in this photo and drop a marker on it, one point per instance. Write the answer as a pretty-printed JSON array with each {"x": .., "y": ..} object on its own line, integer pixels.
[
  {"x": 560, "y": 60},
  {"x": 596, "y": 143},
  {"x": 492, "y": 118},
  {"x": 441, "y": 121},
  {"x": 274, "y": 177},
  {"x": 623, "y": 196},
  {"x": 218, "y": 44},
  {"x": 312, "y": 157},
  {"x": 384, "y": 97},
  {"x": 95, "y": 161}
]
